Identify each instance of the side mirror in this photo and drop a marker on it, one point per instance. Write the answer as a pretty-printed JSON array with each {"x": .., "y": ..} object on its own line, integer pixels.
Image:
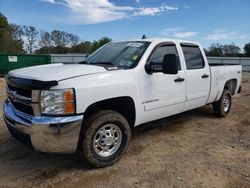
[{"x": 170, "y": 64}]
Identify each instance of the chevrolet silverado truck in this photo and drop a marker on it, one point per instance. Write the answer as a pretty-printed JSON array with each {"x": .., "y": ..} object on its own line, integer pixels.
[{"x": 90, "y": 108}]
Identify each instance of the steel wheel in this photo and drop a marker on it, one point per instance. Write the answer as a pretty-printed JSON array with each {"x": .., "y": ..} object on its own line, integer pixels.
[
  {"x": 104, "y": 138},
  {"x": 222, "y": 107},
  {"x": 107, "y": 140},
  {"x": 226, "y": 103}
]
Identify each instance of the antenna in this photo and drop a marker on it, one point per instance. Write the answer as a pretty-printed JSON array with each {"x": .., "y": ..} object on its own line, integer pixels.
[{"x": 144, "y": 37}]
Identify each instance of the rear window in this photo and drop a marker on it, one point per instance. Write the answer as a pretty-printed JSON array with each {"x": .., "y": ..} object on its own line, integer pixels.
[{"x": 193, "y": 57}]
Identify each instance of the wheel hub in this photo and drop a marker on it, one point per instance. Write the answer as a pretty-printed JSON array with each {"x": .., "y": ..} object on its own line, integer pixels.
[{"x": 107, "y": 140}]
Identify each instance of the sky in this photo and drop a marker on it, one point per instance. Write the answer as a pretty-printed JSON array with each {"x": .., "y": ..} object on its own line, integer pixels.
[{"x": 213, "y": 21}]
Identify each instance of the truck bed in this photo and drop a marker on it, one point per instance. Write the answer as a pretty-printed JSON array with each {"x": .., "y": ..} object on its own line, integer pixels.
[{"x": 220, "y": 74}]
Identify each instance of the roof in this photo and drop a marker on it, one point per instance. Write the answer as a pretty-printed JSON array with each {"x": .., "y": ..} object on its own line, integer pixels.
[{"x": 159, "y": 40}]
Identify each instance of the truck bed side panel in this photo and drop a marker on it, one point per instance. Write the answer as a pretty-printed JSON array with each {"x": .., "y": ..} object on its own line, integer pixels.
[{"x": 219, "y": 76}]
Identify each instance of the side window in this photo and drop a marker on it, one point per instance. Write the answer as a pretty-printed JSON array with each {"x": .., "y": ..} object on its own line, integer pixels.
[
  {"x": 160, "y": 52},
  {"x": 193, "y": 57}
]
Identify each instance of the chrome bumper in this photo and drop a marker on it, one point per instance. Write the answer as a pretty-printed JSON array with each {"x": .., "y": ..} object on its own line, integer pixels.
[{"x": 46, "y": 134}]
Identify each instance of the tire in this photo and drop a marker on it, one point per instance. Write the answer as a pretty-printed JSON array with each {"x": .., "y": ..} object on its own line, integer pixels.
[
  {"x": 222, "y": 107},
  {"x": 105, "y": 138}
]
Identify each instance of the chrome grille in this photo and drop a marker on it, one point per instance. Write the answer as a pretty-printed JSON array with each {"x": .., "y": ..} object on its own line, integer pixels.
[
  {"x": 22, "y": 92},
  {"x": 20, "y": 99}
]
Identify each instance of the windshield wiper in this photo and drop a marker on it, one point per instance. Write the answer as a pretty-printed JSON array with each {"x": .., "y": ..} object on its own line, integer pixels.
[
  {"x": 96, "y": 63},
  {"x": 108, "y": 65},
  {"x": 101, "y": 63},
  {"x": 83, "y": 62}
]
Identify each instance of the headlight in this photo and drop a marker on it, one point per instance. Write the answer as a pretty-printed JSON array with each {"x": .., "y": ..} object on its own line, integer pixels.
[{"x": 58, "y": 102}]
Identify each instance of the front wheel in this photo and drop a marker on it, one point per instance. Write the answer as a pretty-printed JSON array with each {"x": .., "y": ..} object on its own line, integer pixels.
[
  {"x": 105, "y": 138},
  {"x": 222, "y": 107}
]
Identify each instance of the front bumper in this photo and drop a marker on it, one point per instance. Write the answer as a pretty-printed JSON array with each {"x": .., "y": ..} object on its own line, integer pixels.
[{"x": 44, "y": 134}]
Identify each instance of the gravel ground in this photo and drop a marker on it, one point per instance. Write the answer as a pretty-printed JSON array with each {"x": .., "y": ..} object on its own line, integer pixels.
[{"x": 192, "y": 149}]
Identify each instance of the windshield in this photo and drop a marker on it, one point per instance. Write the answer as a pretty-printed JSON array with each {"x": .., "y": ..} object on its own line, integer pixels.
[{"x": 124, "y": 55}]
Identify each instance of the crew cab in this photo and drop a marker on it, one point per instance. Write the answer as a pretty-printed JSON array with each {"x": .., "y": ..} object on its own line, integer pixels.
[{"x": 91, "y": 107}]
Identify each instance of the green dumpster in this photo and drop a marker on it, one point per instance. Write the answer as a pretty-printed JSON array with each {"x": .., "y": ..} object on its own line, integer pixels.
[{"x": 14, "y": 61}]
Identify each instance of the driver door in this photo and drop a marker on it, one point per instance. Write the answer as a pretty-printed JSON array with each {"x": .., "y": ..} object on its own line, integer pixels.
[{"x": 163, "y": 94}]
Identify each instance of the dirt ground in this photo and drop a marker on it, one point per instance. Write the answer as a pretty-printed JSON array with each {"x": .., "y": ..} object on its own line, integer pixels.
[{"x": 192, "y": 149}]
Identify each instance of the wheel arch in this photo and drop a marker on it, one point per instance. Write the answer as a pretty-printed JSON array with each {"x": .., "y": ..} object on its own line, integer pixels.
[
  {"x": 231, "y": 85},
  {"x": 124, "y": 105}
]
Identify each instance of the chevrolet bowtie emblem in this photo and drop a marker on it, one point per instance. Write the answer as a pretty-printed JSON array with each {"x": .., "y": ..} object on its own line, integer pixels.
[{"x": 12, "y": 95}]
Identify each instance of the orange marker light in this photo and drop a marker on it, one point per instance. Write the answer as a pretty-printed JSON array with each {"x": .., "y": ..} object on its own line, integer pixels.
[
  {"x": 68, "y": 96},
  {"x": 69, "y": 107}
]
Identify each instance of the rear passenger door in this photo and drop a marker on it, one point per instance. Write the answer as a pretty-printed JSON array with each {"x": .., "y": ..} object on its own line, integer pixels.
[{"x": 197, "y": 75}]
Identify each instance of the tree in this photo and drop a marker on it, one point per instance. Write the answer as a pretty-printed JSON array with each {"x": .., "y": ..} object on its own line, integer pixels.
[
  {"x": 58, "y": 42},
  {"x": 83, "y": 47},
  {"x": 9, "y": 42},
  {"x": 17, "y": 32},
  {"x": 227, "y": 50},
  {"x": 65, "y": 39},
  {"x": 62, "y": 38},
  {"x": 30, "y": 34},
  {"x": 95, "y": 45},
  {"x": 45, "y": 39},
  {"x": 60, "y": 50},
  {"x": 63, "y": 42},
  {"x": 14, "y": 37},
  {"x": 56, "y": 37},
  {"x": 231, "y": 50},
  {"x": 100, "y": 42},
  {"x": 45, "y": 43},
  {"x": 104, "y": 40},
  {"x": 247, "y": 50},
  {"x": 215, "y": 50},
  {"x": 73, "y": 39},
  {"x": 44, "y": 50}
]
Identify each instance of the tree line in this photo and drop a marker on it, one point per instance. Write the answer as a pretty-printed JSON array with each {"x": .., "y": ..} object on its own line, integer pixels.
[
  {"x": 63, "y": 42},
  {"x": 27, "y": 39},
  {"x": 227, "y": 50}
]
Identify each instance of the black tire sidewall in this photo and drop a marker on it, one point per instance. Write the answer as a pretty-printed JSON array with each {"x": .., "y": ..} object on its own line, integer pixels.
[
  {"x": 218, "y": 106},
  {"x": 92, "y": 126},
  {"x": 226, "y": 93},
  {"x": 123, "y": 143}
]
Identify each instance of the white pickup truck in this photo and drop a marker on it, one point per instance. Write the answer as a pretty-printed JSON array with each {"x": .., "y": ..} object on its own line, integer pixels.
[{"x": 91, "y": 107}]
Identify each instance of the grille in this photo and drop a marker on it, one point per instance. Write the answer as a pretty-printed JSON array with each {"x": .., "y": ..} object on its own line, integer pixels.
[
  {"x": 22, "y": 107},
  {"x": 20, "y": 91},
  {"x": 19, "y": 103}
]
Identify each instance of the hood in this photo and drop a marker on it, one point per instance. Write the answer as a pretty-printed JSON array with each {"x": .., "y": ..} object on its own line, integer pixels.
[{"x": 56, "y": 72}]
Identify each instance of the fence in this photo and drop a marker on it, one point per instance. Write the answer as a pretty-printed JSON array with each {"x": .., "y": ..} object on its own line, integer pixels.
[
  {"x": 244, "y": 61},
  {"x": 67, "y": 58},
  {"x": 76, "y": 58}
]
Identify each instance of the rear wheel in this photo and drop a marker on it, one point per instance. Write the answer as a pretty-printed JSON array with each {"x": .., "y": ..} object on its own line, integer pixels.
[
  {"x": 105, "y": 138},
  {"x": 222, "y": 107}
]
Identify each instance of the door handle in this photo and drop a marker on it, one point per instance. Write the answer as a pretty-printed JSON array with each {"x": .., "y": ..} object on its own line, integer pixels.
[
  {"x": 205, "y": 76},
  {"x": 179, "y": 79}
]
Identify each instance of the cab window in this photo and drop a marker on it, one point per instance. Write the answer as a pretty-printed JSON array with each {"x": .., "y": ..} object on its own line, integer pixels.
[
  {"x": 161, "y": 51},
  {"x": 193, "y": 57}
]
